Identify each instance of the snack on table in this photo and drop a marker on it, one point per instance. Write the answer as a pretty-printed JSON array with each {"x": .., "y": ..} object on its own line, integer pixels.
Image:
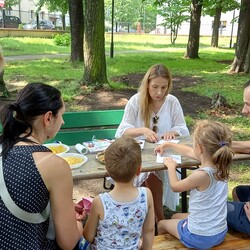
[
  {"x": 57, "y": 148},
  {"x": 74, "y": 160},
  {"x": 100, "y": 157}
]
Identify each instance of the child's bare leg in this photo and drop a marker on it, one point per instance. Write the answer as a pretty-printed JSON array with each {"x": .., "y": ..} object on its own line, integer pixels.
[
  {"x": 169, "y": 226},
  {"x": 180, "y": 216}
]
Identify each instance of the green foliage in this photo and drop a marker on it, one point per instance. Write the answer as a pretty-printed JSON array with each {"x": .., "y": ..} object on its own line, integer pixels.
[
  {"x": 54, "y": 5},
  {"x": 132, "y": 11},
  {"x": 174, "y": 13},
  {"x": 62, "y": 39},
  {"x": 210, "y": 6},
  {"x": 9, "y": 3}
]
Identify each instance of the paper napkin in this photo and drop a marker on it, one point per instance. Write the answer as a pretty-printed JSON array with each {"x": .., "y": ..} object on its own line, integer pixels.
[{"x": 159, "y": 158}]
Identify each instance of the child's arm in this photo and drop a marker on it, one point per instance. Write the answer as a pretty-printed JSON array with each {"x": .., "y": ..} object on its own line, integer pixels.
[
  {"x": 148, "y": 229},
  {"x": 179, "y": 148},
  {"x": 198, "y": 179},
  {"x": 89, "y": 231}
]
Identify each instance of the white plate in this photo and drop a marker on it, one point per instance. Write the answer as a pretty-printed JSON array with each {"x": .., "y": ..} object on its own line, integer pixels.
[
  {"x": 77, "y": 157},
  {"x": 56, "y": 146}
]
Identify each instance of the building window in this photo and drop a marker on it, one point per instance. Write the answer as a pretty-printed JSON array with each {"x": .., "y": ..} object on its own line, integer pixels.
[
  {"x": 42, "y": 14},
  {"x": 32, "y": 14},
  {"x": 223, "y": 24}
]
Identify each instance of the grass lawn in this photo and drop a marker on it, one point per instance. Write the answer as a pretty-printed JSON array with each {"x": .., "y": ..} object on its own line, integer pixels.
[{"x": 135, "y": 54}]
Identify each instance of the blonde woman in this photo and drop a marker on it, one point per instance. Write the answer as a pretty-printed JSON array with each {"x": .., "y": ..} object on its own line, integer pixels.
[{"x": 151, "y": 114}]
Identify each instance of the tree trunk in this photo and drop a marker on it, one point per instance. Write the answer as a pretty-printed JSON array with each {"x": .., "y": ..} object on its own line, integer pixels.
[
  {"x": 63, "y": 22},
  {"x": 76, "y": 29},
  {"x": 242, "y": 51},
  {"x": 94, "y": 44},
  {"x": 194, "y": 31},
  {"x": 216, "y": 27}
]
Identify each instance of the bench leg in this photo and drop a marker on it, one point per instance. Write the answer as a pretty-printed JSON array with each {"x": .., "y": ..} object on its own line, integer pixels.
[
  {"x": 184, "y": 194},
  {"x": 105, "y": 186}
]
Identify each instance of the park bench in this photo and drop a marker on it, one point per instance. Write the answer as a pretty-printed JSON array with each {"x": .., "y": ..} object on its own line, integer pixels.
[
  {"x": 82, "y": 126},
  {"x": 232, "y": 241}
]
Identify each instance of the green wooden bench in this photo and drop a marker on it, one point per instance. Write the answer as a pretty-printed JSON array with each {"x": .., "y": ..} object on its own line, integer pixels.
[{"x": 82, "y": 126}]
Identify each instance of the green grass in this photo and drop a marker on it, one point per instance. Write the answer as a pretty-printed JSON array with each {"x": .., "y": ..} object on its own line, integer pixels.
[{"x": 135, "y": 54}]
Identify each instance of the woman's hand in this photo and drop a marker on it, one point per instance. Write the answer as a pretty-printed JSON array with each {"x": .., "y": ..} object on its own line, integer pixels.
[
  {"x": 150, "y": 135},
  {"x": 170, "y": 135},
  {"x": 170, "y": 163}
]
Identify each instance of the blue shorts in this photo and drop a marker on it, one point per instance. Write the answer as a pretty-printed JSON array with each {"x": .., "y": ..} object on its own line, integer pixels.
[
  {"x": 200, "y": 242},
  {"x": 243, "y": 192},
  {"x": 236, "y": 217}
]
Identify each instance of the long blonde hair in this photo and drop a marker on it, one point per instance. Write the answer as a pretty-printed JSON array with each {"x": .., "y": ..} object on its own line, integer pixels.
[
  {"x": 216, "y": 138},
  {"x": 157, "y": 70}
]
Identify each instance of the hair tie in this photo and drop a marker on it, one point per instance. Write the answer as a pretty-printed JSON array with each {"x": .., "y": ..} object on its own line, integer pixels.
[
  {"x": 223, "y": 143},
  {"x": 14, "y": 107}
]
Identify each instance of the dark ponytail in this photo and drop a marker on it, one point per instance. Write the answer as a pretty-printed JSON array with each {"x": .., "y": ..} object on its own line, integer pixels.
[{"x": 33, "y": 100}]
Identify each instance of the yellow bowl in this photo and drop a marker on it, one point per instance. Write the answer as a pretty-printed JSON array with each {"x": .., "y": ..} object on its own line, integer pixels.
[
  {"x": 74, "y": 160},
  {"x": 57, "y": 148}
]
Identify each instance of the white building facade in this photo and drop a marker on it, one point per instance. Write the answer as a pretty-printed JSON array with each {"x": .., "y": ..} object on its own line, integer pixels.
[{"x": 227, "y": 27}]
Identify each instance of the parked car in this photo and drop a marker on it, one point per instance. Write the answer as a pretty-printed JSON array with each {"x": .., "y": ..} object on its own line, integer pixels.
[
  {"x": 43, "y": 24},
  {"x": 10, "y": 22}
]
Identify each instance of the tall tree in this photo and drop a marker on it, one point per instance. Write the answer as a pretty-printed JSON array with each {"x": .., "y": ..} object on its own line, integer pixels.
[
  {"x": 174, "y": 12},
  {"x": 94, "y": 44},
  {"x": 76, "y": 29},
  {"x": 241, "y": 61},
  {"x": 194, "y": 31},
  {"x": 215, "y": 8},
  {"x": 216, "y": 26}
]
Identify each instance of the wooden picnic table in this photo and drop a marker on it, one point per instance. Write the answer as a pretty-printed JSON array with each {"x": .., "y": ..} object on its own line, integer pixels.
[{"x": 94, "y": 169}]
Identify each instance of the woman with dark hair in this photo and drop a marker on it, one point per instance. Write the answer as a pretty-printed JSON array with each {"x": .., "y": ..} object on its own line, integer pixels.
[
  {"x": 153, "y": 114},
  {"x": 36, "y": 208}
]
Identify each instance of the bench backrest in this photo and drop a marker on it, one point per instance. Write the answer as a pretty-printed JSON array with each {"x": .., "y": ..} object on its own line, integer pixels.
[{"x": 82, "y": 126}]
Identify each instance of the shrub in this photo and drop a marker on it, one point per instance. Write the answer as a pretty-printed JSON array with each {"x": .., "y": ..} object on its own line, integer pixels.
[{"x": 62, "y": 39}]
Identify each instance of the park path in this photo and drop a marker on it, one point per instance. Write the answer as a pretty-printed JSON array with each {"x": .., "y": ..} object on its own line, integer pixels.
[{"x": 39, "y": 56}]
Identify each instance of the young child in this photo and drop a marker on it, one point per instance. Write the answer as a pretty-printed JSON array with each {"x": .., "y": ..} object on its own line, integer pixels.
[
  {"x": 205, "y": 225},
  {"x": 124, "y": 217}
]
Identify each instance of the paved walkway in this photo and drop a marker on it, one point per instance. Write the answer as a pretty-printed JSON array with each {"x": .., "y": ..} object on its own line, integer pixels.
[
  {"x": 36, "y": 57},
  {"x": 33, "y": 57}
]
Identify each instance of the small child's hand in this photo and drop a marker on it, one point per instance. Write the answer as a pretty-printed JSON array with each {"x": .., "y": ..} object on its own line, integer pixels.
[
  {"x": 80, "y": 212},
  {"x": 170, "y": 163},
  {"x": 159, "y": 149}
]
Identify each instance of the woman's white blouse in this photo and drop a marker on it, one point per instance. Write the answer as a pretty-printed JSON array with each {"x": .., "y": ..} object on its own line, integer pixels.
[{"x": 171, "y": 117}]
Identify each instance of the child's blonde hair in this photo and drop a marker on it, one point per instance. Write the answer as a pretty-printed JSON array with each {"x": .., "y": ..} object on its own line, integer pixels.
[
  {"x": 123, "y": 158},
  {"x": 216, "y": 138}
]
